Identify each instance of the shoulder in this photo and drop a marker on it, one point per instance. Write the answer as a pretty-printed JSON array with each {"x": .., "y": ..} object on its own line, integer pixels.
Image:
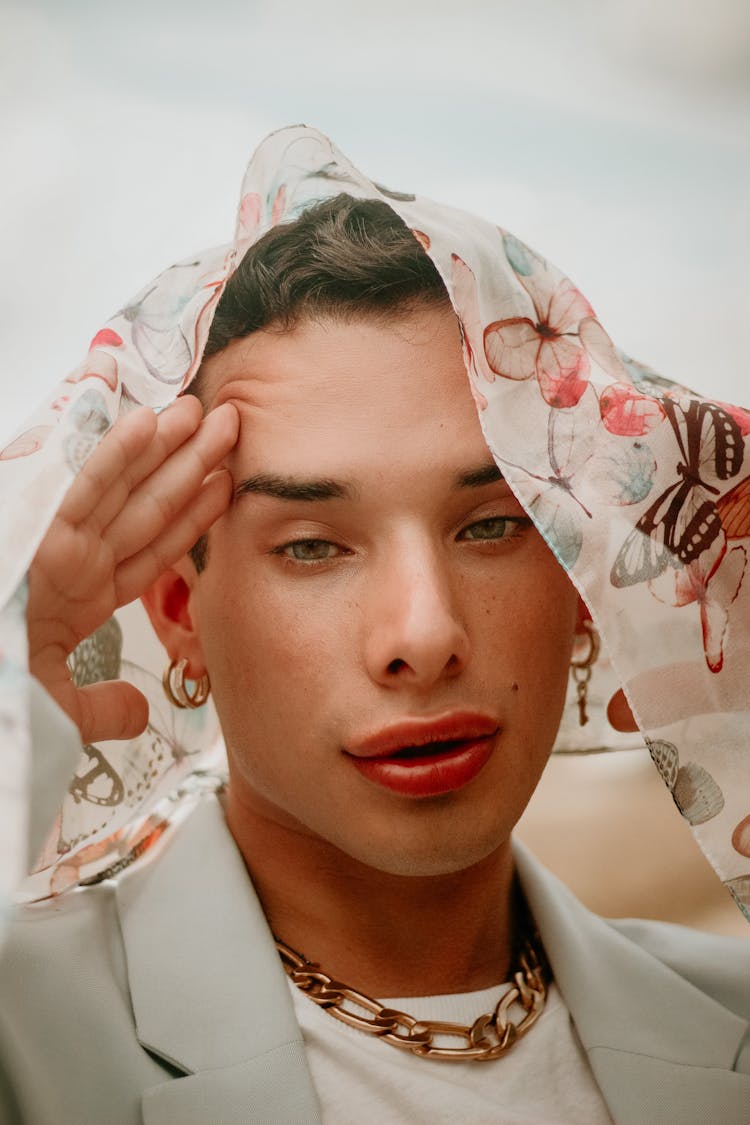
[
  {"x": 65, "y": 1012},
  {"x": 79, "y": 928},
  {"x": 633, "y": 956},
  {"x": 716, "y": 965},
  {"x": 60, "y": 957}
]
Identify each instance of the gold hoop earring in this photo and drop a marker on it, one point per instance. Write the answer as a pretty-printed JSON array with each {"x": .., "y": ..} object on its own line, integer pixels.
[
  {"x": 175, "y": 688},
  {"x": 581, "y": 670}
]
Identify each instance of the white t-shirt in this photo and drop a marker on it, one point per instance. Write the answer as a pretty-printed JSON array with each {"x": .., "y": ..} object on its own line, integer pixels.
[{"x": 544, "y": 1079}]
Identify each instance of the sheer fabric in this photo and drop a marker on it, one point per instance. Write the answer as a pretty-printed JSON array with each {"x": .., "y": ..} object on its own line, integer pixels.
[{"x": 640, "y": 487}]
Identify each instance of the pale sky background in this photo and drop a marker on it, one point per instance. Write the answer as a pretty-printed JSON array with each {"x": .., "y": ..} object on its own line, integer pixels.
[{"x": 612, "y": 135}]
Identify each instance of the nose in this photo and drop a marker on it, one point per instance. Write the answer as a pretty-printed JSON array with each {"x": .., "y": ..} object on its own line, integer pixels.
[{"x": 414, "y": 635}]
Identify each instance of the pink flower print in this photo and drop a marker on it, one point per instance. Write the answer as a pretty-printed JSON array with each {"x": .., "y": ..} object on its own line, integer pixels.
[
  {"x": 106, "y": 338},
  {"x": 249, "y": 216},
  {"x": 546, "y": 344},
  {"x": 279, "y": 205},
  {"x": 601, "y": 349},
  {"x": 248, "y": 220},
  {"x": 627, "y": 412},
  {"x": 27, "y": 443},
  {"x": 98, "y": 365}
]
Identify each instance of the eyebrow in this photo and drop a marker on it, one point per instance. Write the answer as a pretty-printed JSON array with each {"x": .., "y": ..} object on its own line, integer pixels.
[
  {"x": 295, "y": 488},
  {"x": 475, "y": 478}
]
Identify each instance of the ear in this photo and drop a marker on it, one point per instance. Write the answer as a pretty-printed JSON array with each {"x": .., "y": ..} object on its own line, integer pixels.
[
  {"x": 619, "y": 714},
  {"x": 582, "y": 616},
  {"x": 168, "y": 605}
]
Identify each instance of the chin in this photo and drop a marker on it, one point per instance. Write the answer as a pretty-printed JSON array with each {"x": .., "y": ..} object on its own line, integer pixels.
[{"x": 442, "y": 854}]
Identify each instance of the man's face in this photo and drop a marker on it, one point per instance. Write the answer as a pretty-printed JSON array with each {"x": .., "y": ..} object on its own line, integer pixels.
[{"x": 387, "y": 636}]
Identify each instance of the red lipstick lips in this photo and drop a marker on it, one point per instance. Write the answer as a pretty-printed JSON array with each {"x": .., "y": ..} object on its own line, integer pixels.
[{"x": 426, "y": 757}]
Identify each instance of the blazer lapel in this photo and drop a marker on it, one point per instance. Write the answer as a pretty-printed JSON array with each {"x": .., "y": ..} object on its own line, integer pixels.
[
  {"x": 209, "y": 994},
  {"x": 210, "y": 998},
  {"x": 660, "y": 1049}
]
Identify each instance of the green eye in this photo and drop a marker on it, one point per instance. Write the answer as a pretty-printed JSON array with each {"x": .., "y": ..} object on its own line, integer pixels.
[
  {"x": 495, "y": 528},
  {"x": 310, "y": 550}
]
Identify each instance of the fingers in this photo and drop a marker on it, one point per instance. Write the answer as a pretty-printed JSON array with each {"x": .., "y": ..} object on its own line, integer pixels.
[
  {"x": 124, "y": 443},
  {"x": 174, "y": 426},
  {"x": 619, "y": 714},
  {"x": 169, "y": 490},
  {"x": 113, "y": 709},
  {"x": 138, "y": 572}
]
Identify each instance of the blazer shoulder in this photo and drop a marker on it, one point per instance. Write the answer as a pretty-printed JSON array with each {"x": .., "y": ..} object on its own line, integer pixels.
[
  {"x": 63, "y": 956},
  {"x": 69, "y": 1052},
  {"x": 70, "y": 927},
  {"x": 717, "y": 965}
]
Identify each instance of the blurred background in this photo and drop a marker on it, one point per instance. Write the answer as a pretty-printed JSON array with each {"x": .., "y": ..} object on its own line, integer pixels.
[{"x": 612, "y": 135}]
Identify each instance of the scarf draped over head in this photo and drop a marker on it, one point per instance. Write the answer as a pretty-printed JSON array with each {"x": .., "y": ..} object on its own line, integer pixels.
[{"x": 640, "y": 487}]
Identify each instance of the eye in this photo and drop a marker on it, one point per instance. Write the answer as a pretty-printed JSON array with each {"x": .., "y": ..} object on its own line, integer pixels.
[
  {"x": 494, "y": 528},
  {"x": 308, "y": 550}
]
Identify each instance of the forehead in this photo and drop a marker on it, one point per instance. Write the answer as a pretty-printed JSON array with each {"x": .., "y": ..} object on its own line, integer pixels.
[{"x": 382, "y": 386}]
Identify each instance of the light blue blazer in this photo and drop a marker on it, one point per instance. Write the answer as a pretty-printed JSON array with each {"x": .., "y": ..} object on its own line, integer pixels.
[{"x": 160, "y": 998}]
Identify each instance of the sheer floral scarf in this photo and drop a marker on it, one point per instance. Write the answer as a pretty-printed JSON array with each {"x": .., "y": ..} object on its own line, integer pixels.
[{"x": 640, "y": 487}]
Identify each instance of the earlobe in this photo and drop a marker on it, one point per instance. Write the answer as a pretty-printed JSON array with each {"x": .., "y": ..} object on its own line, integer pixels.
[
  {"x": 619, "y": 715},
  {"x": 168, "y": 604},
  {"x": 582, "y": 616}
]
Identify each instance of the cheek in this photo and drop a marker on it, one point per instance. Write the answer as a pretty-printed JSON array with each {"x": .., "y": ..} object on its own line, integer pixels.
[
  {"x": 262, "y": 645},
  {"x": 526, "y": 628}
]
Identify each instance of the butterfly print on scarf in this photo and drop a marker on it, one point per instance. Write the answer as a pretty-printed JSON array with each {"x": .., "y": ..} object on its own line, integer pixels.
[
  {"x": 155, "y": 317},
  {"x": 684, "y": 521},
  {"x": 713, "y": 582},
  {"x": 557, "y": 511},
  {"x": 734, "y": 509},
  {"x": 693, "y": 789},
  {"x": 548, "y": 342}
]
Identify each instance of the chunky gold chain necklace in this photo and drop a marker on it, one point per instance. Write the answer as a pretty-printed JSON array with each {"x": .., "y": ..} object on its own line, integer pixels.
[{"x": 489, "y": 1037}]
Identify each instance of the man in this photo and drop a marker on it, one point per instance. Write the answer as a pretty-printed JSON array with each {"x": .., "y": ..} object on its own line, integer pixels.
[{"x": 387, "y": 640}]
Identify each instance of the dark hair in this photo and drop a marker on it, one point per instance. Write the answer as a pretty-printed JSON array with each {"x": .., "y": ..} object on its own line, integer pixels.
[{"x": 342, "y": 258}]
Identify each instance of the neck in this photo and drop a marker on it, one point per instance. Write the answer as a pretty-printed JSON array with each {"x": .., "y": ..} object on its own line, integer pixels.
[{"x": 386, "y": 935}]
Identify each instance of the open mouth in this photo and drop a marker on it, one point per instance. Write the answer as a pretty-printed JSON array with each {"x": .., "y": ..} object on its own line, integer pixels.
[
  {"x": 429, "y": 750},
  {"x": 431, "y": 769}
]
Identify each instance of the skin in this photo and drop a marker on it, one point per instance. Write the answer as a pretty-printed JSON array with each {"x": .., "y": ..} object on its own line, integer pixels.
[
  {"x": 133, "y": 510},
  {"x": 408, "y": 597}
]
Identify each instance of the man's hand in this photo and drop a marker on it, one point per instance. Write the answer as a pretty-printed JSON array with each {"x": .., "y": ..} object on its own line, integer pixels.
[{"x": 143, "y": 498}]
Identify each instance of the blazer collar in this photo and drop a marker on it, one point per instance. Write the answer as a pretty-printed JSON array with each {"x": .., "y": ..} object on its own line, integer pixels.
[
  {"x": 209, "y": 994},
  {"x": 211, "y": 999},
  {"x": 653, "y": 1039}
]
